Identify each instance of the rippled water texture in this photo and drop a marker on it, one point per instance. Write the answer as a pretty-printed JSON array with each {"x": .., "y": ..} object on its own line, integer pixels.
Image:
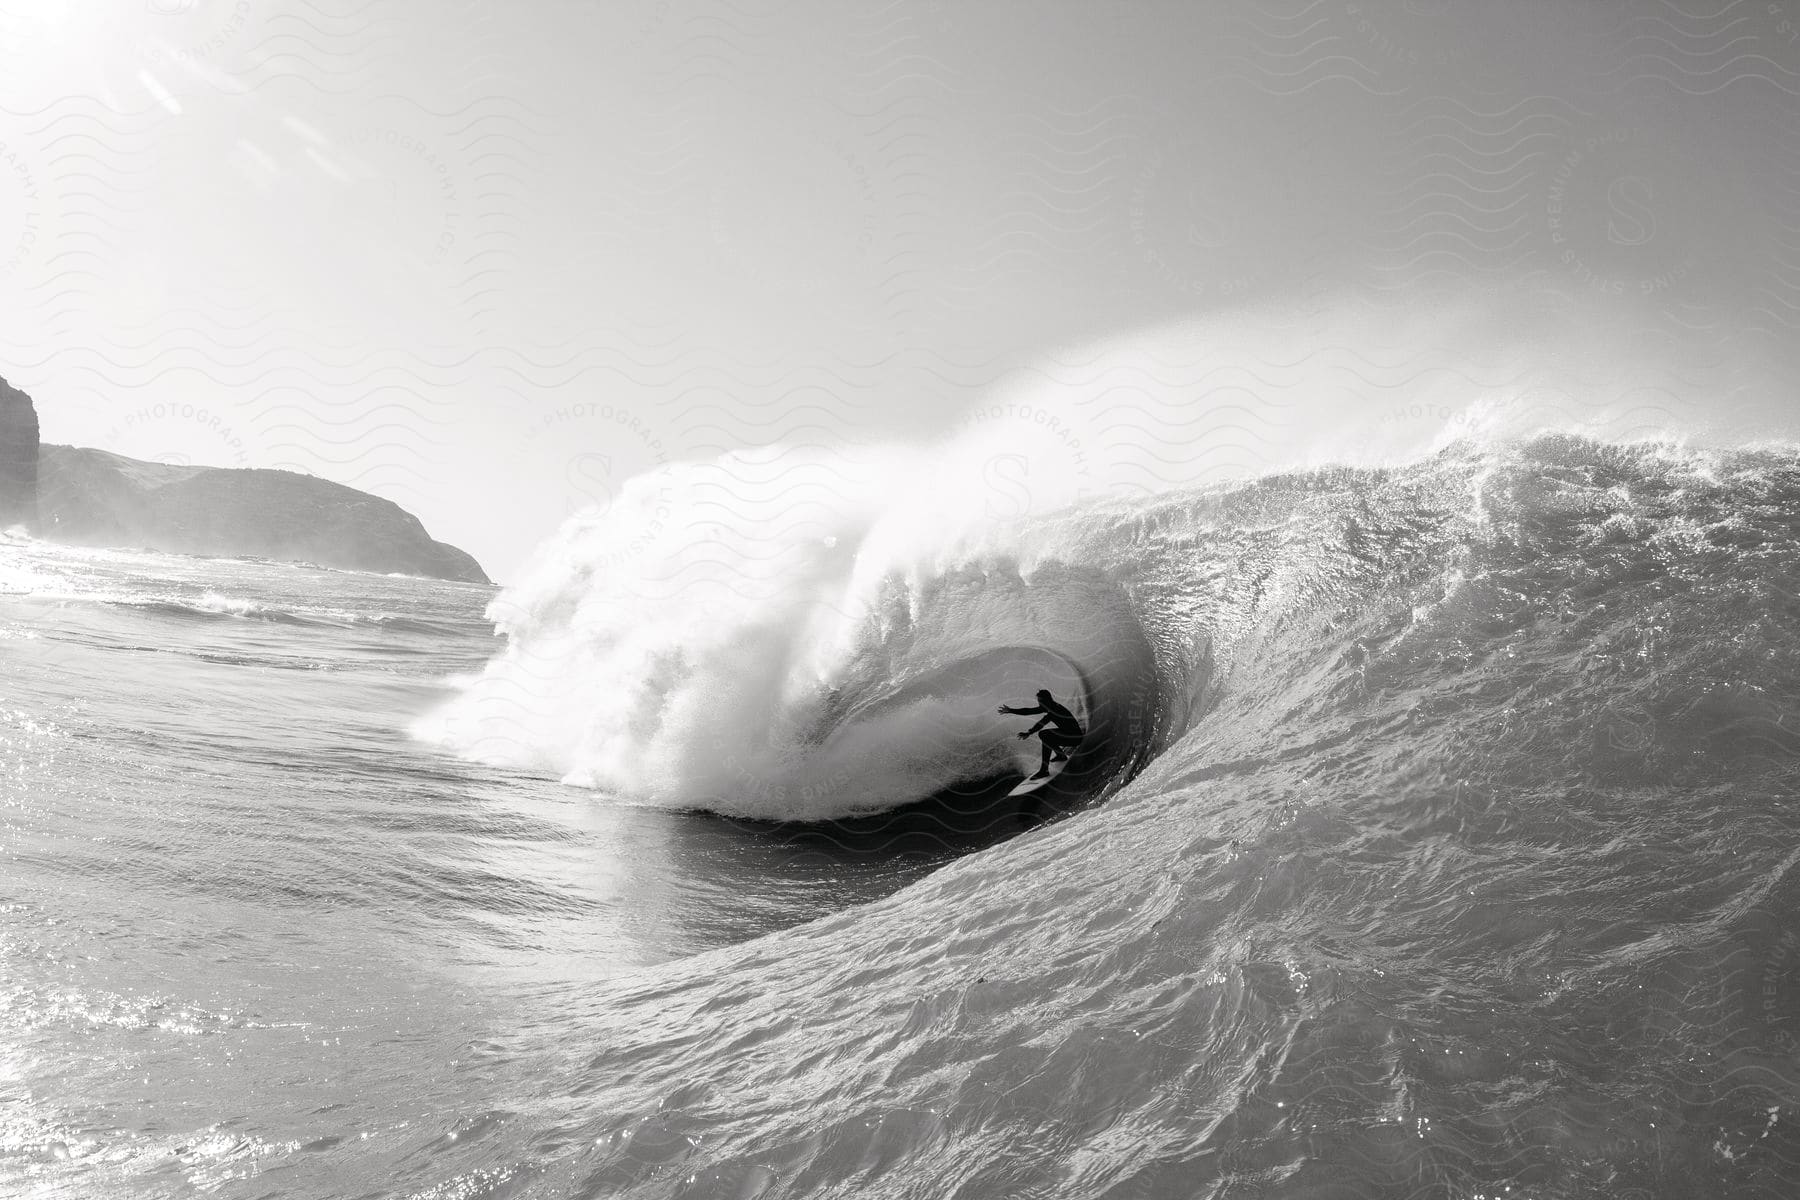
[{"x": 1444, "y": 845}]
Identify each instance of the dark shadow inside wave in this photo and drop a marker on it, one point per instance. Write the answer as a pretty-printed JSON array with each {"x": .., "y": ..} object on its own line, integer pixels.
[{"x": 1112, "y": 665}]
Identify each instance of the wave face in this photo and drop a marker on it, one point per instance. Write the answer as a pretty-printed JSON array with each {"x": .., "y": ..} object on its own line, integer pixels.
[{"x": 1450, "y": 850}]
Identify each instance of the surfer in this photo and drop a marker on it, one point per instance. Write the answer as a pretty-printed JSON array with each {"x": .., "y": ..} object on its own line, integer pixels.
[{"x": 1066, "y": 736}]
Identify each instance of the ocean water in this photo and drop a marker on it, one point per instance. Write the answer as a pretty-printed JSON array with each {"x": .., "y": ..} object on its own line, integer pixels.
[{"x": 1435, "y": 836}]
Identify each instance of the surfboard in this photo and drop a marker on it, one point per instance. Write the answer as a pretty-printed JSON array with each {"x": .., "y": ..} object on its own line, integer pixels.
[{"x": 1032, "y": 785}]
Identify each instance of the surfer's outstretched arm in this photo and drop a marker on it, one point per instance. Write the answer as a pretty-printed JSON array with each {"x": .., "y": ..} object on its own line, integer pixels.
[{"x": 1019, "y": 712}]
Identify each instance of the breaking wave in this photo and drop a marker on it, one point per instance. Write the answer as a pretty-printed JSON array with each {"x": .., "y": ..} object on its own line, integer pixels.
[{"x": 1411, "y": 773}]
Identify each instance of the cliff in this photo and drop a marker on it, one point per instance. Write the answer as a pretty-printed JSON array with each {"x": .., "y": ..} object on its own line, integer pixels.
[
  {"x": 95, "y": 498},
  {"x": 18, "y": 458}
]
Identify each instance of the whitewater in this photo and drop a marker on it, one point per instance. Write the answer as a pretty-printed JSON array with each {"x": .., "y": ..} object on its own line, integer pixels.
[{"x": 1435, "y": 836}]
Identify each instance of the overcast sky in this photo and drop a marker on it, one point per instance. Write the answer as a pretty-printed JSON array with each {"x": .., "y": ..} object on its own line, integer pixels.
[{"x": 488, "y": 260}]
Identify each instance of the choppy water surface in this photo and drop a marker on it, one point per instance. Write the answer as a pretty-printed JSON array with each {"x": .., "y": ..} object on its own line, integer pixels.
[{"x": 1439, "y": 840}]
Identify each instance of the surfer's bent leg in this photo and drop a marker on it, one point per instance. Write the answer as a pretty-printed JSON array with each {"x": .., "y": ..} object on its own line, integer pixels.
[
  {"x": 1055, "y": 745},
  {"x": 1058, "y": 745}
]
